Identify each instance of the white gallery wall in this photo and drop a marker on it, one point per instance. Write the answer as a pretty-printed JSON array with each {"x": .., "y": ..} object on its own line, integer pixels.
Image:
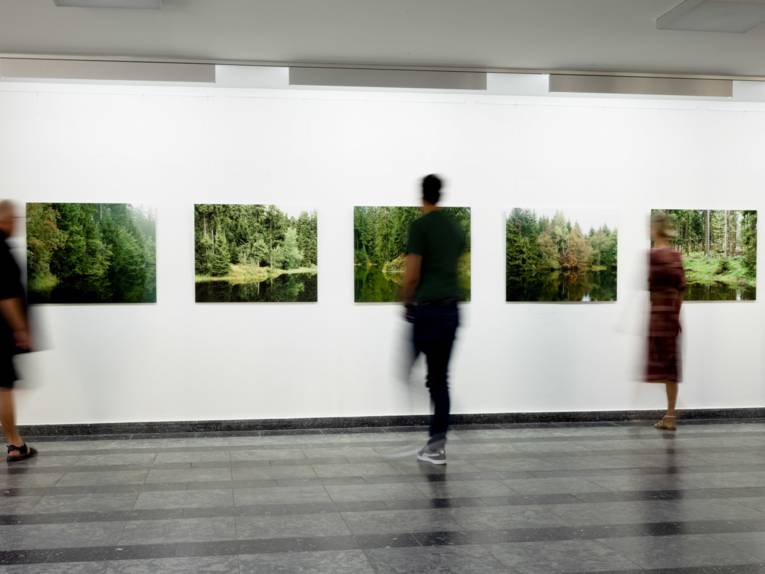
[{"x": 173, "y": 147}]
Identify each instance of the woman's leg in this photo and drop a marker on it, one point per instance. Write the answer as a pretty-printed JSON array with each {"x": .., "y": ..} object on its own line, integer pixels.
[{"x": 671, "y": 399}]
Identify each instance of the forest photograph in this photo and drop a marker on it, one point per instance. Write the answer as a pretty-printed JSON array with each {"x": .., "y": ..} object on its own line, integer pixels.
[
  {"x": 254, "y": 253},
  {"x": 560, "y": 256},
  {"x": 719, "y": 249},
  {"x": 380, "y": 237},
  {"x": 91, "y": 253}
]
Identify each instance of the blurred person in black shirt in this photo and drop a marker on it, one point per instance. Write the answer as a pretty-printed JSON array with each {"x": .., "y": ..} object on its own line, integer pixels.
[
  {"x": 14, "y": 334},
  {"x": 431, "y": 293}
]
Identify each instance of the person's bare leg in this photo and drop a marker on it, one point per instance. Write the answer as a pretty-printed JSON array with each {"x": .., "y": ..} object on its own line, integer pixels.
[
  {"x": 671, "y": 399},
  {"x": 8, "y": 418}
]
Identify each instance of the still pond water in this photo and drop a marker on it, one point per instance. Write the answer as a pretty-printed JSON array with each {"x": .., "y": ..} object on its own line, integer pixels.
[
  {"x": 720, "y": 292},
  {"x": 297, "y": 288},
  {"x": 371, "y": 285},
  {"x": 559, "y": 286},
  {"x": 87, "y": 290}
]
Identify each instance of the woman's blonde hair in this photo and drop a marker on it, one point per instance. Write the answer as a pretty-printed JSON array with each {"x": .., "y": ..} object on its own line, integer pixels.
[{"x": 663, "y": 224}]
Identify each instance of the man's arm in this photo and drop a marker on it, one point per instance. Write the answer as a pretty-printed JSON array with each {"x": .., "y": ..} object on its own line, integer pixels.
[
  {"x": 411, "y": 277},
  {"x": 13, "y": 312}
]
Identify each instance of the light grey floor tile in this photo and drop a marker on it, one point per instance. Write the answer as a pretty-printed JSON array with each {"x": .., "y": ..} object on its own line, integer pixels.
[
  {"x": 349, "y": 562},
  {"x": 179, "y": 530},
  {"x": 281, "y": 495},
  {"x": 72, "y": 535},
  {"x": 185, "y": 499},
  {"x": 116, "y": 459},
  {"x": 270, "y": 472},
  {"x": 677, "y": 551},
  {"x": 355, "y": 469},
  {"x": 103, "y": 478},
  {"x": 30, "y": 480},
  {"x": 751, "y": 544},
  {"x": 186, "y": 475},
  {"x": 504, "y": 517},
  {"x": 193, "y": 456},
  {"x": 18, "y": 504},
  {"x": 537, "y": 486},
  {"x": 214, "y": 565},
  {"x": 256, "y": 527},
  {"x": 374, "y": 492},
  {"x": 551, "y": 557},
  {"x": 436, "y": 560},
  {"x": 264, "y": 454},
  {"x": 95, "y": 502}
]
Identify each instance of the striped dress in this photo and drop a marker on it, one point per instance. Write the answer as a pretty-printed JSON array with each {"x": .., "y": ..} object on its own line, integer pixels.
[{"x": 666, "y": 283}]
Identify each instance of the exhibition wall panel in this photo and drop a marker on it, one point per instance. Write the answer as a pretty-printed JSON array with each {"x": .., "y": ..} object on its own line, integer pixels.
[{"x": 172, "y": 148}]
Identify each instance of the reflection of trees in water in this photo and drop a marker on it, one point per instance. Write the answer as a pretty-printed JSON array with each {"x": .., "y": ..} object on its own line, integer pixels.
[
  {"x": 372, "y": 285},
  {"x": 297, "y": 287},
  {"x": 562, "y": 286},
  {"x": 720, "y": 292}
]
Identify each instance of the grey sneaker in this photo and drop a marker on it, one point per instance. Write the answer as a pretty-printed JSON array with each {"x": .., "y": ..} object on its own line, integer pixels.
[{"x": 432, "y": 456}]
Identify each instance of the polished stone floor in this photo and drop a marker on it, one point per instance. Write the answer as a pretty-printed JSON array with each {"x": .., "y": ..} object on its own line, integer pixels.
[{"x": 607, "y": 498}]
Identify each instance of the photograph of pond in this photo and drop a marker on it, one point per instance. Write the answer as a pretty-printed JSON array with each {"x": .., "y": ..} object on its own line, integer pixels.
[
  {"x": 719, "y": 250},
  {"x": 91, "y": 253},
  {"x": 255, "y": 253},
  {"x": 379, "y": 237},
  {"x": 555, "y": 255}
]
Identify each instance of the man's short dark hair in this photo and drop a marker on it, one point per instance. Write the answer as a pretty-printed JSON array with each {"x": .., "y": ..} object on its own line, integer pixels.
[{"x": 431, "y": 189}]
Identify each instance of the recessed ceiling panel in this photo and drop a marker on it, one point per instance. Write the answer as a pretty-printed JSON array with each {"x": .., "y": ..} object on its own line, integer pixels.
[
  {"x": 733, "y": 16},
  {"x": 129, "y": 4}
]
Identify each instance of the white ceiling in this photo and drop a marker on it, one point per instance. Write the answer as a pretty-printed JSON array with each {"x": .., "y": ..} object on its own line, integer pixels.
[{"x": 616, "y": 35}]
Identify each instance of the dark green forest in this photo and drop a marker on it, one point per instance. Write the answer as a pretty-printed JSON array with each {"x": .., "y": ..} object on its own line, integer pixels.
[
  {"x": 553, "y": 259},
  {"x": 380, "y": 237},
  {"x": 719, "y": 252},
  {"x": 248, "y": 244},
  {"x": 90, "y": 253}
]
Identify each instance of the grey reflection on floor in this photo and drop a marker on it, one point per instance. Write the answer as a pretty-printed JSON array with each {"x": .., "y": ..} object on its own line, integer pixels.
[{"x": 546, "y": 499}]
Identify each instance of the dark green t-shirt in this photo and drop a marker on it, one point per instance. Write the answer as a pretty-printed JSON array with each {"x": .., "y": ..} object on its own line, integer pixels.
[{"x": 436, "y": 238}]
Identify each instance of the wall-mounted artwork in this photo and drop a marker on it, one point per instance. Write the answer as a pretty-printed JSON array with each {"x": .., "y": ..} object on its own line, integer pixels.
[
  {"x": 91, "y": 253},
  {"x": 719, "y": 250},
  {"x": 380, "y": 236},
  {"x": 560, "y": 255},
  {"x": 255, "y": 253}
]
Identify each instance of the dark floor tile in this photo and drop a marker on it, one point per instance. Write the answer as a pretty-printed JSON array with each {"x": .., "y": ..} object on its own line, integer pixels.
[
  {"x": 323, "y": 524},
  {"x": 343, "y": 562},
  {"x": 214, "y": 565},
  {"x": 436, "y": 560}
]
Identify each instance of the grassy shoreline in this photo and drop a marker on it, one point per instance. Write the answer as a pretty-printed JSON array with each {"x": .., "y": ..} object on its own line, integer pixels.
[{"x": 242, "y": 274}]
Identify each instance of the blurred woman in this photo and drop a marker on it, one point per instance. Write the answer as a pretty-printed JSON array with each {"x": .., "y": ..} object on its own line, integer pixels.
[{"x": 666, "y": 283}]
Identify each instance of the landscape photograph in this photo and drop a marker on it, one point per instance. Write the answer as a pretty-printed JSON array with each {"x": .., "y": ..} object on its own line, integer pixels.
[
  {"x": 719, "y": 250},
  {"x": 556, "y": 255},
  {"x": 380, "y": 236},
  {"x": 91, "y": 253},
  {"x": 255, "y": 253}
]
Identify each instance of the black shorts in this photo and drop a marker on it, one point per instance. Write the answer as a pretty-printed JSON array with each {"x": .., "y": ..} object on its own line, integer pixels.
[{"x": 8, "y": 375}]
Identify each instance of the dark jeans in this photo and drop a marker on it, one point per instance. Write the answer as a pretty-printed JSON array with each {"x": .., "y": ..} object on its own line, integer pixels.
[{"x": 435, "y": 328}]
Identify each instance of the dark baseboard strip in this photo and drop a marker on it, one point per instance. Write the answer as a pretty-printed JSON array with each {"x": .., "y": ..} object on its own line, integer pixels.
[{"x": 330, "y": 424}]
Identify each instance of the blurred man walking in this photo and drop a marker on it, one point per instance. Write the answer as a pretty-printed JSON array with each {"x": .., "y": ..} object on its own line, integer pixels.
[
  {"x": 14, "y": 334},
  {"x": 431, "y": 293}
]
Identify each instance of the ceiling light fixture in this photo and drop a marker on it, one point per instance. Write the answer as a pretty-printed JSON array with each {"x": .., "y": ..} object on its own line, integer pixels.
[{"x": 124, "y": 4}]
